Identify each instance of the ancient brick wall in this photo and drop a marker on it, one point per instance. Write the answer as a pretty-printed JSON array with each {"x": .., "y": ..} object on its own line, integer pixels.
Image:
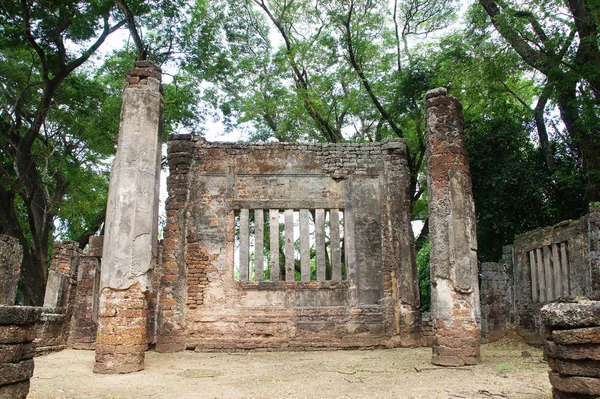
[
  {"x": 214, "y": 188},
  {"x": 549, "y": 263},
  {"x": 84, "y": 322},
  {"x": 52, "y": 328},
  {"x": 496, "y": 291}
]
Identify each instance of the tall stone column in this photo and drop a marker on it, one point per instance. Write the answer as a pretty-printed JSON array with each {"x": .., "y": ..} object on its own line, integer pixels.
[
  {"x": 130, "y": 240},
  {"x": 454, "y": 283}
]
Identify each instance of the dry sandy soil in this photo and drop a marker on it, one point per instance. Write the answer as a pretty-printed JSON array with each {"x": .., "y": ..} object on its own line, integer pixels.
[{"x": 510, "y": 369}]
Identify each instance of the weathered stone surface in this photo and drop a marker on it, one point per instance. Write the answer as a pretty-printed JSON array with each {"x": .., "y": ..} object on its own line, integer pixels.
[
  {"x": 84, "y": 324},
  {"x": 579, "y": 385},
  {"x": 590, "y": 335},
  {"x": 19, "y": 315},
  {"x": 12, "y": 353},
  {"x": 15, "y": 391},
  {"x": 585, "y": 351},
  {"x": 11, "y": 254},
  {"x": 95, "y": 246},
  {"x": 130, "y": 242},
  {"x": 583, "y": 313},
  {"x": 16, "y": 334},
  {"x": 585, "y": 368},
  {"x": 16, "y": 372},
  {"x": 556, "y": 394},
  {"x": 455, "y": 293},
  {"x": 496, "y": 290}
]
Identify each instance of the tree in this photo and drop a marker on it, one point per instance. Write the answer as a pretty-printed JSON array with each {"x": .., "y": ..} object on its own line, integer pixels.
[
  {"x": 60, "y": 117},
  {"x": 566, "y": 51},
  {"x": 42, "y": 45}
]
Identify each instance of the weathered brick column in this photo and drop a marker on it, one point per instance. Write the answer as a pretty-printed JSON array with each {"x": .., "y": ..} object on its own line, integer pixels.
[
  {"x": 63, "y": 269},
  {"x": 573, "y": 348},
  {"x": 171, "y": 303},
  {"x": 84, "y": 323},
  {"x": 11, "y": 254},
  {"x": 130, "y": 238},
  {"x": 454, "y": 285},
  {"x": 16, "y": 349}
]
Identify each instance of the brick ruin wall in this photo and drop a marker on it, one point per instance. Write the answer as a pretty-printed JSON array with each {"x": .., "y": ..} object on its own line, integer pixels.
[
  {"x": 552, "y": 262},
  {"x": 497, "y": 296},
  {"x": 201, "y": 306}
]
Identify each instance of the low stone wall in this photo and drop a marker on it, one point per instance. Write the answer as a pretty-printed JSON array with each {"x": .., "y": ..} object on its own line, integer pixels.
[
  {"x": 16, "y": 349},
  {"x": 573, "y": 348},
  {"x": 427, "y": 330},
  {"x": 51, "y": 330}
]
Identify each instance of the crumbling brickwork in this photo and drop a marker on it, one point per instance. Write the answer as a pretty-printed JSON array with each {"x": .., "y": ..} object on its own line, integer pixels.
[
  {"x": 84, "y": 323},
  {"x": 52, "y": 329},
  {"x": 572, "y": 348},
  {"x": 121, "y": 340},
  {"x": 11, "y": 254},
  {"x": 496, "y": 290},
  {"x": 17, "y": 332},
  {"x": 455, "y": 289},
  {"x": 202, "y": 306}
]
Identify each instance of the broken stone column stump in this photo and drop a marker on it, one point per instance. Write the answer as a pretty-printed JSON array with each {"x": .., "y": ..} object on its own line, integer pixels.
[
  {"x": 454, "y": 283},
  {"x": 572, "y": 348},
  {"x": 17, "y": 331},
  {"x": 11, "y": 254},
  {"x": 130, "y": 240}
]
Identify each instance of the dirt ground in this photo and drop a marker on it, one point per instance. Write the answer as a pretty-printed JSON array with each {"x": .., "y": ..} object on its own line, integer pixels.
[{"x": 510, "y": 369}]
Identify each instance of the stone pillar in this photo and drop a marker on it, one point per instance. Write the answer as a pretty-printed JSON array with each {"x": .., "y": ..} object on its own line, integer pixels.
[
  {"x": 573, "y": 348},
  {"x": 130, "y": 240},
  {"x": 454, "y": 284},
  {"x": 398, "y": 244},
  {"x": 62, "y": 270},
  {"x": 11, "y": 254},
  {"x": 16, "y": 349}
]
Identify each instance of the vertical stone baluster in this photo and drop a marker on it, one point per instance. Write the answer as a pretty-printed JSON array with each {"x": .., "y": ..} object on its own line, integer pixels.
[
  {"x": 455, "y": 291},
  {"x": 274, "y": 244},
  {"x": 534, "y": 278},
  {"x": 259, "y": 247},
  {"x": 548, "y": 273},
  {"x": 304, "y": 245},
  {"x": 244, "y": 243},
  {"x": 541, "y": 269},
  {"x": 130, "y": 241},
  {"x": 556, "y": 270},
  {"x": 320, "y": 244},
  {"x": 564, "y": 268},
  {"x": 289, "y": 245},
  {"x": 334, "y": 239}
]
